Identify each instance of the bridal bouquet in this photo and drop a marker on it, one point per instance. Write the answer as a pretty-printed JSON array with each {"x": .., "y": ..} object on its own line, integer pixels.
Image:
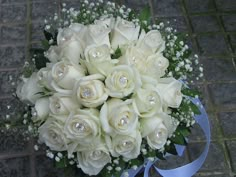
[{"x": 108, "y": 92}]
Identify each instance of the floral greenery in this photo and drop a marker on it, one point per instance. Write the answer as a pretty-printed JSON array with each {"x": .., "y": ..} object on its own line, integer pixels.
[{"x": 181, "y": 66}]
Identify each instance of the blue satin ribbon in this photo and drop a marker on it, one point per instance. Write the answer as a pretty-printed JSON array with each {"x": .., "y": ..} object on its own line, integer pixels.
[{"x": 190, "y": 169}]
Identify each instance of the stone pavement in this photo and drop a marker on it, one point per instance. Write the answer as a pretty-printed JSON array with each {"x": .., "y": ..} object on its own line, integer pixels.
[{"x": 211, "y": 25}]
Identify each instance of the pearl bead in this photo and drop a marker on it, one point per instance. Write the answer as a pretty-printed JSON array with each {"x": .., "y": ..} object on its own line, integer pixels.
[
  {"x": 159, "y": 63},
  {"x": 152, "y": 100},
  {"x": 86, "y": 93},
  {"x": 159, "y": 135},
  {"x": 127, "y": 144},
  {"x": 96, "y": 54},
  {"x": 95, "y": 154},
  {"x": 80, "y": 127},
  {"x": 57, "y": 106},
  {"x": 123, "y": 80},
  {"x": 124, "y": 120}
]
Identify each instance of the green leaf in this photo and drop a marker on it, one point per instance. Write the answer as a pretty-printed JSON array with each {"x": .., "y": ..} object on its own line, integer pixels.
[
  {"x": 48, "y": 35},
  {"x": 117, "y": 54},
  {"x": 45, "y": 44},
  {"x": 185, "y": 131},
  {"x": 40, "y": 59},
  {"x": 61, "y": 164},
  {"x": 194, "y": 108},
  {"x": 190, "y": 92},
  {"x": 178, "y": 138},
  {"x": 171, "y": 149},
  {"x": 145, "y": 14},
  {"x": 160, "y": 155}
]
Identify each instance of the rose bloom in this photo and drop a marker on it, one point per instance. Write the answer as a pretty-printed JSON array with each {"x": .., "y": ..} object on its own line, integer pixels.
[
  {"x": 157, "y": 129},
  {"x": 90, "y": 91},
  {"x": 170, "y": 90},
  {"x": 118, "y": 116},
  {"x": 64, "y": 75},
  {"x": 29, "y": 89},
  {"x": 122, "y": 81},
  {"x": 51, "y": 133},
  {"x": 127, "y": 146},
  {"x": 123, "y": 32},
  {"x": 98, "y": 59},
  {"x": 147, "y": 101},
  {"x": 94, "y": 157}
]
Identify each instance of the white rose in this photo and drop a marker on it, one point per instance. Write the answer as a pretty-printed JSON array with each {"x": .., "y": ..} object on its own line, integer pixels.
[
  {"x": 29, "y": 89},
  {"x": 65, "y": 75},
  {"x": 118, "y": 116},
  {"x": 134, "y": 57},
  {"x": 147, "y": 101},
  {"x": 156, "y": 65},
  {"x": 122, "y": 81},
  {"x": 90, "y": 91},
  {"x": 124, "y": 32},
  {"x": 74, "y": 31},
  {"x": 170, "y": 89},
  {"x": 41, "y": 109},
  {"x": 62, "y": 104},
  {"x": 96, "y": 34},
  {"x": 72, "y": 51},
  {"x": 83, "y": 125},
  {"x": 51, "y": 133},
  {"x": 53, "y": 54},
  {"x": 151, "y": 43},
  {"x": 109, "y": 22},
  {"x": 127, "y": 146},
  {"x": 93, "y": 159},
  {"x": 98, "y": 59},
  {"x": 45, "y": 79},
  {"x": 157, "y": 129}
]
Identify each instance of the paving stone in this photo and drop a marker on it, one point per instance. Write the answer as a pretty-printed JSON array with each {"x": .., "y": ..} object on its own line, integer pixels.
[
  {"x": 12, "y": 56},
  {"x": 9, "y": 108},
  {"x": 219, "y": 69},
  {"x": 228, "y": 122},
  {"x": 13, "y": 34},
  {"x": 213, "y": 44},
  {"x": 223, "y": 95},
  {"x": 13, "y": 13},
  {"x": 37, "y": 31},
  {"x": 230, "y": 22},
  {"x": 167, "y": 8},
  {"x": 45, "y": 168},
  {"x": 137, "y": 5},
  {"x": 15, "y": 167},
  {"x": 231, "y": 147},
  {"x": 212, "y": 163},
  {"x": 13, "y": 1},
  {"x": 13, "y": 141},
  {"x": 197, "y": 133},
  {"x": 9, "y": 84},
  {"x": 212, "y": 175},
  {"x": 226, "y": 5},
  {"x": 177, "y": 23},
  {"x": 233, "y": 39},
  {"x": 205, "y": 23},
  {"x": 42, "y": 10},
  {"x": 173, "y": 161},
  {"x": 200, "y": 6}
]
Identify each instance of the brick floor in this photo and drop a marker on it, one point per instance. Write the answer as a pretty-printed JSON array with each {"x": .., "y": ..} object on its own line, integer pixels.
[{"x": 211, "y": 25}]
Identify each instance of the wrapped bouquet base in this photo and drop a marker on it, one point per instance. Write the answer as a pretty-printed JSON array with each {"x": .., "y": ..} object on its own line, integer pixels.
[{"x": 108, "y": 92}]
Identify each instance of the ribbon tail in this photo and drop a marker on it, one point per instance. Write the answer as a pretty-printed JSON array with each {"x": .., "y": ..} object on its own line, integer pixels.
[{"x": 190, "y": 169}]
